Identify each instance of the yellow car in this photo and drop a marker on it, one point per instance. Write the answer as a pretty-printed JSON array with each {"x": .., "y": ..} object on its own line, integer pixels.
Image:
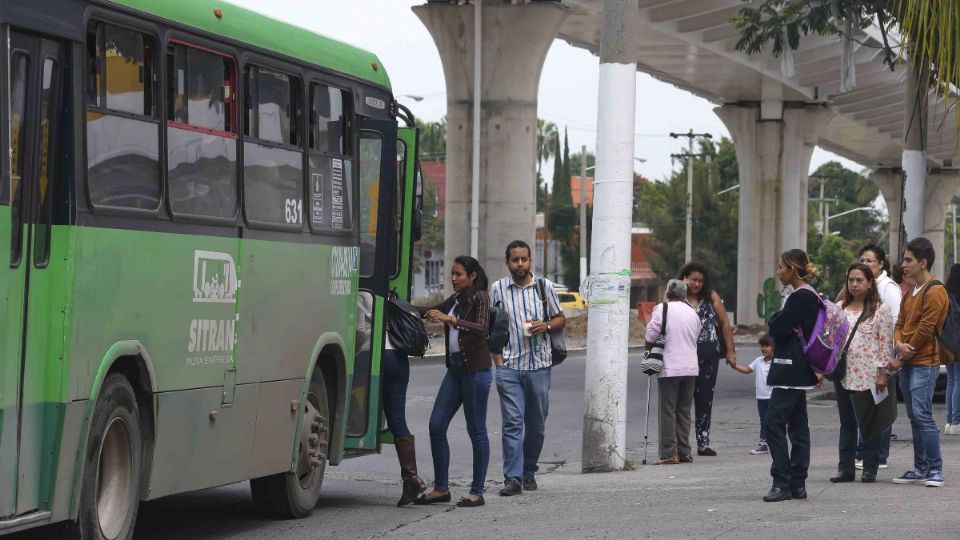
[{"x": 571, "y": 300}]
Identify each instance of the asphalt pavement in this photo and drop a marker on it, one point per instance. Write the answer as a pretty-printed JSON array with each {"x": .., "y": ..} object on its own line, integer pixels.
[{"x": 713, "y": 497}]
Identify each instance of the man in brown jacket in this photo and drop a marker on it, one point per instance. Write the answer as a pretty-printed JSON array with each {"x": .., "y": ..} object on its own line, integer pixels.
[{"x": 922, "y": 313}]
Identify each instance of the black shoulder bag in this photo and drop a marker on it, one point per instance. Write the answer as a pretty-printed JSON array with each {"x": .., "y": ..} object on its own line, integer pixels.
[
  {"x": 558, "y": 340},
  {"x": 840, "y": 371}
]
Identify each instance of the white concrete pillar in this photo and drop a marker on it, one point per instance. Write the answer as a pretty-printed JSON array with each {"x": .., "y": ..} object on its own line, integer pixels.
[
  {"x": 773, "y": 152},
  {"x": 605, "y": 384},
  {"x": 942, "y": 187},
  {"x": 515, "y": 41},
  {"x": 914, "y": 157},
  {"x": 890, "y": 182}
]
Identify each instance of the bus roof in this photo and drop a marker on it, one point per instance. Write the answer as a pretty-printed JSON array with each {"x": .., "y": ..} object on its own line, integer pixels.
[{"x": 248, "y": 26}]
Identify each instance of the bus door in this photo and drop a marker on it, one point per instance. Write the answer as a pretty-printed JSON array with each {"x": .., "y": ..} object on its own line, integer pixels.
[
  {"x": 29, "y": 389},
  {"x": 407, "y": 218},
  {"x": 377, "y": 178}
]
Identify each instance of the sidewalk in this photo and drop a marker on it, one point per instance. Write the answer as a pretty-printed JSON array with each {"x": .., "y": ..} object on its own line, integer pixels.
[{"x": 716, "y": 497}]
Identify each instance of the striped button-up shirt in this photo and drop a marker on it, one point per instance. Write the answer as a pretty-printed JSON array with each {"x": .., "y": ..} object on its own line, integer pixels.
[{"x": 521, "y": 304}]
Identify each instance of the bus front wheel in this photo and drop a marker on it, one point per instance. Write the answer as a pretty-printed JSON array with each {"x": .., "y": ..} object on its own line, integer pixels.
[
  {"x": 110, "y": 490},
  {"x": 294, "y": 494}
]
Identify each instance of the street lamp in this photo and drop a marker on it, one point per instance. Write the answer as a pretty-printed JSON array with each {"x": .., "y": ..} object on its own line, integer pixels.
[{"x": 827, "y": 218}]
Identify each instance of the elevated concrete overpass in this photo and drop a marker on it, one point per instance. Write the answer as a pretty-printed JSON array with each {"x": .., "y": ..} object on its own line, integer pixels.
[{"x": 776, "y": 117}]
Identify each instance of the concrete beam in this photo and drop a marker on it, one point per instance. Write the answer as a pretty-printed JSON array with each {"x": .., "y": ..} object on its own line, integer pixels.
[
  {"x": 515, "y": 41},
  {"x": 773, "y": 157},
  {"x": 942, "y": 187}
]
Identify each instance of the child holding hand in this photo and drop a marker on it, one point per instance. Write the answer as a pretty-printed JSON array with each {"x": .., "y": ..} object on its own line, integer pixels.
[{"x": 760, "y": 366}]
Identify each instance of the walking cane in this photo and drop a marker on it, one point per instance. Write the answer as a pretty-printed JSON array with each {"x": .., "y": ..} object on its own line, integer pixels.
[{"x": 646, "y": 423}]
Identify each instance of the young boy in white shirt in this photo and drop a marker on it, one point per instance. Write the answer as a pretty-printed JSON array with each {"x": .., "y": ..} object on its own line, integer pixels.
[{"x": 761, "y": 366}]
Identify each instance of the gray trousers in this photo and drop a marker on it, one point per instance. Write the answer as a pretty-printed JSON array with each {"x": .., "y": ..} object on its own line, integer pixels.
[{"x": 676, "y": 398}]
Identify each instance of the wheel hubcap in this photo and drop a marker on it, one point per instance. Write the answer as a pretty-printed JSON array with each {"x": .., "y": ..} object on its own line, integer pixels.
[
  {"x": 313, "y": 441},
  {"x": 115, "y": 475}
]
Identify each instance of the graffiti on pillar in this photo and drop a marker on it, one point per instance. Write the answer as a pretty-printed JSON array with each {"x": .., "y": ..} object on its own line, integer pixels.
[{"x": 768, "y": 301}]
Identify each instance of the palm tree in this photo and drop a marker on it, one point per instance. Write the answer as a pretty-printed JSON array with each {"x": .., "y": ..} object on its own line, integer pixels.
[
  {"x": 547, "y": 138},
  {"x": 930, "y": 30}
]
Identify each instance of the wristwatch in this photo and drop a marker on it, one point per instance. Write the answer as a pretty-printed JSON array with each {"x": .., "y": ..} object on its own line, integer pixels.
[{"x": 548, "y": 328}]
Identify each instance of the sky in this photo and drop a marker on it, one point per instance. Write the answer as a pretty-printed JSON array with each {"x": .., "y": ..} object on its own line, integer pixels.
[{"x": 568, "y": 84}]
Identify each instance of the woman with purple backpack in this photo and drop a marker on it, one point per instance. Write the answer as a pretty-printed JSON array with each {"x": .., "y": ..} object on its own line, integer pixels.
[{"x": 790, "y": 377}]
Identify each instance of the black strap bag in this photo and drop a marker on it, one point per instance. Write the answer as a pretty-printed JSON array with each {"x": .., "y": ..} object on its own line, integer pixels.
[
  {"x": 840, "y": 371},
  {"x": 405, "y": 327},
  {"x": 558, "y": 340},
  {"x": 499, "y": 329},
  {"x": 652, "y": 362}
]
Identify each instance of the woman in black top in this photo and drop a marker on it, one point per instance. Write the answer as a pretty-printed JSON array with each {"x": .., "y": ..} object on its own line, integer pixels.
[{"x": 791, "y": 377}]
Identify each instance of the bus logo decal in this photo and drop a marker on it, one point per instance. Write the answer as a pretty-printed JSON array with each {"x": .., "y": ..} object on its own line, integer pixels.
[{"x": 214, "y": 278}]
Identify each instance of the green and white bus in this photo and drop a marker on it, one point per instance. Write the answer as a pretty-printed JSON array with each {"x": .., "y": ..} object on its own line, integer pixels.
[{"x": 201, "y": 212}]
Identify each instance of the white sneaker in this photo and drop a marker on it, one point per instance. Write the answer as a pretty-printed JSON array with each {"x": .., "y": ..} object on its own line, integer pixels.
[
  {"x": 883, "y": 466},
  {"x": 947, "y": 428},
  {"x": 858, "y": 464},
  {"x": 952, "y": 429}
]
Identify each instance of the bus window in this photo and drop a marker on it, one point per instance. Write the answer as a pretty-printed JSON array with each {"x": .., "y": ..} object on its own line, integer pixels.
[
  {"x": 331, "y": 179},
  {"x": 49, "y": 107},
  {"x": 398, "y": 208},
  {"x": 201, "y": 146},
  {"x": 370, "y": 154},
  {"x": 18, "y": 106},
  {"x": 328, "y": 115},
  {"x": 123, "y": 133},
  {"x": 273, "y": 174}
]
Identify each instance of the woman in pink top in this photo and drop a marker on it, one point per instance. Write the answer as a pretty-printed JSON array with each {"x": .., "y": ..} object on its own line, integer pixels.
[{"x": 679, "y": 373}]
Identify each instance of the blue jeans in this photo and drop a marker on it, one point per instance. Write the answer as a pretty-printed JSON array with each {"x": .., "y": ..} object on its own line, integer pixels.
[
  {"x": 953, "y": 393},
  {"x": 916, "y": 384},
  {"x": 762, "y": 406},
  {"x": 524, "y": 401},
  {"x": 460, "y": 387},
  {"x": 395, "y": 374}
]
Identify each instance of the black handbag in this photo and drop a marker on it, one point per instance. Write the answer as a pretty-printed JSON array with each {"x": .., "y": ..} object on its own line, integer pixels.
[
  {"x": 840, "y": 371},
  {"x": 405, "y": 327},
  {"x": 558, "y": 340}
]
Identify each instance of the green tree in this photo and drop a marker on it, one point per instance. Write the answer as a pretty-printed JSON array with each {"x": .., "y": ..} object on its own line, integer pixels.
[
  {"x": 433, "y": 140},
  {"x": 849, "y": 190},
  {"x": 661, "y": 206},
  {"x": 832, "y": 258},
  {"x": 928, "y": 30}
]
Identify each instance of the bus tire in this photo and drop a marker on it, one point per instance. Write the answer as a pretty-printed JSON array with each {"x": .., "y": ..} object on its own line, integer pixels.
[
  {"x": 294, "y": 494},
  {"x": 110, "y": 490}
]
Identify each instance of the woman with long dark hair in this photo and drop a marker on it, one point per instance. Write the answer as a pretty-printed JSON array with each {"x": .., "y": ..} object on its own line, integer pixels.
[
  {"x": 953, "y": 370},
  {"x": 715, "y": 341},
  {"x": 466, "y": 320},
  {"x": 870, "y": 349},
  {"x": 791, "y": 376}
]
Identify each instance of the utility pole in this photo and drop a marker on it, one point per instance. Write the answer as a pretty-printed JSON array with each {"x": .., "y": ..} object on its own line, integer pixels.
[
  {"x": 605, "y": 381},
  {"x": 690, "y": 135},
  {"x": 583, "y": 214}
]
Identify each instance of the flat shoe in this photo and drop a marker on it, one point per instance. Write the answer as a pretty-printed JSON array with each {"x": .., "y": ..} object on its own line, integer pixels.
[
  {"x": 706, "y": 451},
  {"x": 686, "y": 459},
  {"x": 840, "y": 478},
  {"x": 776, "y": 495},
  {"x": 672, "y": 460},
  {"x": 422, "y": 500},
  {"x": 465, "y": 502},
  {"x": 868, "y": 478}
]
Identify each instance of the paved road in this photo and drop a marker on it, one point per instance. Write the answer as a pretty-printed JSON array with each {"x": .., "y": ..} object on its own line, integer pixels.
[{"x": 359, "y": 495}]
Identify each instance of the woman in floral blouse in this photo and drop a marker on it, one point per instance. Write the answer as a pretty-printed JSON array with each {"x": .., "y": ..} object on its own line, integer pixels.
[{"x": 870, "y": 348}]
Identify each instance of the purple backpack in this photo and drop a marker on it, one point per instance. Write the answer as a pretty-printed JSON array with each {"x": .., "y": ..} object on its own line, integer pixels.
[{"x": 823, "y": 348}]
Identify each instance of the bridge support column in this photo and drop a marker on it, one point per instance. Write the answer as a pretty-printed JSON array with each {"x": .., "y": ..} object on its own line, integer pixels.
[
  {"x": 774, "y": 144},
  {"x": 942, "y": 187},
  {"x": 890, "y": 182},
  {"x": 514, "y": 43}
]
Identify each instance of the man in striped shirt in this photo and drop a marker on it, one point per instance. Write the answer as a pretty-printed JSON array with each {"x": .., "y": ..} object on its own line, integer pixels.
[{"x": 523, "y": 372}]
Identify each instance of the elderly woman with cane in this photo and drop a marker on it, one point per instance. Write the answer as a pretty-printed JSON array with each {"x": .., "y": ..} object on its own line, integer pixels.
[{"x": 679, "y": 373}]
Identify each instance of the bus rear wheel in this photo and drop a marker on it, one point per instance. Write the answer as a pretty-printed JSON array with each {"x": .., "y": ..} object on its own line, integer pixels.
[
  {"x": 294, "y": 494},
  {"x": 110, "y": 491}
]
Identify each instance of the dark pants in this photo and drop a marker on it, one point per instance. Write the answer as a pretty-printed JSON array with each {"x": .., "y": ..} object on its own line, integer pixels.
[
  {"x": 849, "y": 434},
  {"x": 708, "y": 360},
  {"x": 460, "y": 387},
  {"x": 676, "y": 393},
  {"x": 885, "y": 437},
  {"x": 787, "y": 417},
  {"x": 395, "y": 374},
  {"x": 762, "y": 406}
]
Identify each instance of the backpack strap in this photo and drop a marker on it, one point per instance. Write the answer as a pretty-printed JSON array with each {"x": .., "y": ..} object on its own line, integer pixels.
[
  {"x": 923, "y": 296},
  {"x": 821, "y": 318},
  {"x": 663, "y": 326},
  {"x": 542, "y": 292}
]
